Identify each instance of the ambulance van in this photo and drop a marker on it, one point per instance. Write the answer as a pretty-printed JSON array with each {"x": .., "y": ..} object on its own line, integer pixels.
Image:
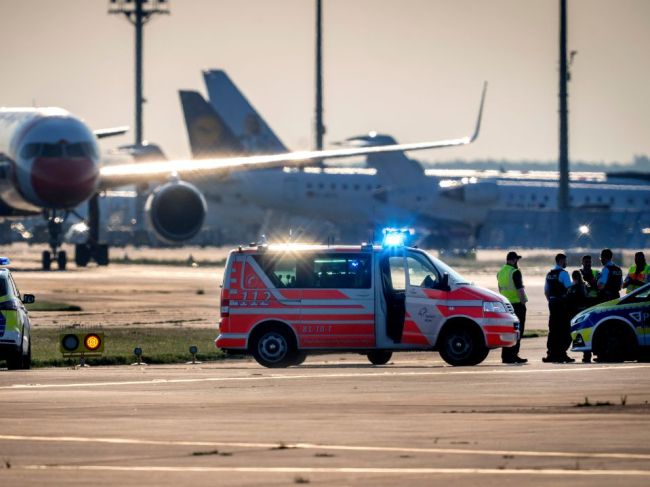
[{"x": 282, "y": 302}]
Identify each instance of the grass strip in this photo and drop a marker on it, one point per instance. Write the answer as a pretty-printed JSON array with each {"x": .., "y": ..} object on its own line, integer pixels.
[{"x": 159, "y": 346}]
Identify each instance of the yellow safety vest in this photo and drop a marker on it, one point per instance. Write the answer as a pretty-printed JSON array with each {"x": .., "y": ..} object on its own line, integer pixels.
[
  {"x": 641, "y": 276},
  {"x": 507, "y": 284}
]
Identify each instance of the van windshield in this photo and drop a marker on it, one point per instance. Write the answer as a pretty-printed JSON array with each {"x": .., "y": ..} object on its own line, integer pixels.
[{"x": 444, "y": 268}]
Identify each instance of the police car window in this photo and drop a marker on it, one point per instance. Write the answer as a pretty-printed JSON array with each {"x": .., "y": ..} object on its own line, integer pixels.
[
  {"x": 421, "y": 273},
  {"x": 336, "y": 271},
  {"x": 3, "y": 287},
  {"x": 397, "y": 275},
  {"x": 279, "y": 268}
]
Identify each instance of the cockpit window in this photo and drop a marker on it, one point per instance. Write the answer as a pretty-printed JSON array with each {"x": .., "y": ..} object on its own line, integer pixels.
[
  {"x": 52, "y": 150},
  {"x": 31, "y": 150}
]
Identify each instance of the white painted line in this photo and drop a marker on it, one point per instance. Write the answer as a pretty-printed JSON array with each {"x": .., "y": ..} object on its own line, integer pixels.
[
  {"x": 356, "y": 470},
  {"x": 316, "y": 446},
  {"x": 378, "y": 373}
]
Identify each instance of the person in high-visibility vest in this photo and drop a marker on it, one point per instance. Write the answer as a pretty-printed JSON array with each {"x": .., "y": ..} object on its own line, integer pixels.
[
  {"x": 590, "y": 277},
  {"x": 511, "y": 286},
  {"x": 639, "y": 273}
]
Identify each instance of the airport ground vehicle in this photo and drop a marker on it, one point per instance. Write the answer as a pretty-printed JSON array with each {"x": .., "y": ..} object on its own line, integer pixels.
[
  {"x": 15, "y": 327},
  {"x": 280, "y": 303},
  {"x": 616, "y": 330}
]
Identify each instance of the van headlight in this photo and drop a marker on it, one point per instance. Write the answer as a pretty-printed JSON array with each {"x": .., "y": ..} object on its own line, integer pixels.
[
  {"x": 493, "y": 307},
  {"x": 580, "y": 318}
]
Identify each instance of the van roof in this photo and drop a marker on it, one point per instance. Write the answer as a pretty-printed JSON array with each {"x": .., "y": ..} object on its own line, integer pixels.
[{"x": 299, "y": 247}]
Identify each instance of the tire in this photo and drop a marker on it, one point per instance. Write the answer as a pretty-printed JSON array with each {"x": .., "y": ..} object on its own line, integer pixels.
[
  {"x": 46, "y": 260},
  {"x": 379, "y": 357},
  {"x": 299, "y": 358},
  {"x": 26, "y": 362},
  {"x": 462, "y": 344},
  {"x": 101, "y": 255},
  {"x": 615, "y": 342},
  {"x": 15, "y": 361},
  {"x": 62, "y": 260},
  {"x": 81, "y": 255},
  {"x": 274, "y": 347}
]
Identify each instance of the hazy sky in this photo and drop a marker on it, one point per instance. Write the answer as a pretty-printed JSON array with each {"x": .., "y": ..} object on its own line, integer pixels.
[{"x": 411, "y": 68}]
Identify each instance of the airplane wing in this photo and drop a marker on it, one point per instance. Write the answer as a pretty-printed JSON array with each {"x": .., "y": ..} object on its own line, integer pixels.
[
  {"x": 110, "y": 132},
  {"x": 145, "y": 172}
]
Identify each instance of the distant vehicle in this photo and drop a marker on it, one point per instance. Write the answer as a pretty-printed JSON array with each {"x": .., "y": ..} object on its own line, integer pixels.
[
  {"x": 15, "y": 326},
  {"x": 451, "y": 206},
  {"x": 617, "y": 330},
  {"x": 280, "y": 303}
]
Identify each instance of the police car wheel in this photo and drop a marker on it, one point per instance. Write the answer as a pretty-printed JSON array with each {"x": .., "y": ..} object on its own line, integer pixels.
[
  {"x": 27, "y": 358},
  {"x": 461, "y": 344},
  {"x": 273, "y": 348},
  {"x": 379, "y": 357},
  {"x": 614, "y": 342}
]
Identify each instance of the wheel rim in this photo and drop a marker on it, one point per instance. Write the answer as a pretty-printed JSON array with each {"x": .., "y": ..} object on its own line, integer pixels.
[
  {"x": 460, "y": 345},
  {"x": 273, "y": 347}
]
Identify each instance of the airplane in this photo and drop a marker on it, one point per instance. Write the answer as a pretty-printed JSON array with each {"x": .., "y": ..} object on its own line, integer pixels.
[
  {"x": 444, "y": 202},
  {"x": 50, "y": 163}
]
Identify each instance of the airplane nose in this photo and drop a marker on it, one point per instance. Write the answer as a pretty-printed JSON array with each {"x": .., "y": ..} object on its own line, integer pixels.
[{"x": 64, "y": 182}]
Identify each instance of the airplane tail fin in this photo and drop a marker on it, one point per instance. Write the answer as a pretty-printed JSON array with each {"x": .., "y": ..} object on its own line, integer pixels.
[
  {"x": 246, "y": 124},
  {"x": 209, "y": 135}
]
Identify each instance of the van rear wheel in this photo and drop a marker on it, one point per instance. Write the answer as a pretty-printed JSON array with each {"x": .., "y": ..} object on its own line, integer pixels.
[
  {"x": 379, "y": 357},
  {"x": 274, "y": 348},
  {"x": 462, "y": 344}
]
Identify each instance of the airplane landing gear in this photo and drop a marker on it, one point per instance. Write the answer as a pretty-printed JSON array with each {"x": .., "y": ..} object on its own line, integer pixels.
[
  {"x": 54, "y": 227},
  {"x": 92, "y": 249}
]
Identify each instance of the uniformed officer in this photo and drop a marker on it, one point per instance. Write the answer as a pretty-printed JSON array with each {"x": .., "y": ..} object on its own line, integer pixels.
[
  {"x": 611, "y": 277},
  {"x": 511, "y": 286},
  {"x": 559, "y": 325},
  {"x": 639, "y": 273}
]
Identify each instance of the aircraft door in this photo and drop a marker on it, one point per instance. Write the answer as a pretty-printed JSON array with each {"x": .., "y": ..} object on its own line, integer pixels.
[{"x": 425, "y": 289}]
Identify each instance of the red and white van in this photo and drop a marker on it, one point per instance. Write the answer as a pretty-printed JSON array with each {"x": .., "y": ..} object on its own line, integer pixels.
[{"x": 280, "y": 303}]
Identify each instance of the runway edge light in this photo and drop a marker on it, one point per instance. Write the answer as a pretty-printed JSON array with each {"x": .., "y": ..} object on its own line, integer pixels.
[{"x": 81, "y": 343}]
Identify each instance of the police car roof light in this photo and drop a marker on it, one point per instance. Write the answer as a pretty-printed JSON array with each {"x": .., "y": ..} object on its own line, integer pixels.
[{"x": 4, "y": 261}]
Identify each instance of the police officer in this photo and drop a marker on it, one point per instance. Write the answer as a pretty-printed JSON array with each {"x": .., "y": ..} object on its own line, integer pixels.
[
  {"x": 639, "y": 273},
  {"x": 511, "y": 286},
  {"x": 557, "y": 284},
  {"x": 611, "y": 277}
]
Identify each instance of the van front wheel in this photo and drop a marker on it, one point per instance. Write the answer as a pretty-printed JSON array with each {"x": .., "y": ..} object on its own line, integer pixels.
[
  {"x": 463, "y": 344},
  {"x": 273, "y": 348}
]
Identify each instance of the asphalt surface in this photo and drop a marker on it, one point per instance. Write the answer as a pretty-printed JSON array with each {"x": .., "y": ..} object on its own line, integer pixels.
[{"x": 335, "y": 420}]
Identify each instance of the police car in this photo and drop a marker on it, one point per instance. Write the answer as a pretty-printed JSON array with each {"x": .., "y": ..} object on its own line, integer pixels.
[
  {"x": 15, "y": 327},
  {"x": 617, "y": 330},
  {"x": 281, "y": 302}
]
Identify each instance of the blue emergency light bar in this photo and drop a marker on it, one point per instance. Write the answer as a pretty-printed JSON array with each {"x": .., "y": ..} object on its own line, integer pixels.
[
  {"x": 395, "y": 237},
  {"x": 4, "y": 261}
]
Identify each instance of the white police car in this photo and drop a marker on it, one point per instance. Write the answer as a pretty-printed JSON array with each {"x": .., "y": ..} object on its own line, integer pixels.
[{"x": 15, "y": 327}]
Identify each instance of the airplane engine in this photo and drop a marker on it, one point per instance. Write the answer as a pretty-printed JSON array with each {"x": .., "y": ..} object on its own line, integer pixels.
[
  {"x": 176, "y": 211},
  {"x": 482, "y": 193}
]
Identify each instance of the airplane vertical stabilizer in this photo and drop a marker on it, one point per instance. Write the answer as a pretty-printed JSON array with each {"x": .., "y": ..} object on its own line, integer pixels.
[
  {"x": 243, "y": 120},
  {"x": 209, "y": 135}
]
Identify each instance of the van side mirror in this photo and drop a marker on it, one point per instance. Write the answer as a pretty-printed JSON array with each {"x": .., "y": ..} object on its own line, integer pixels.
[
  {"x": 444, "y": 283},
  {"x": 28, "y": 298}
]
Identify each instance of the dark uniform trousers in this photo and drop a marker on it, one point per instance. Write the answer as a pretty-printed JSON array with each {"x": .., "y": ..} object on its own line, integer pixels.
[
  {"x": 559, "y": 328},
  {"x": 509, "y": 353}
]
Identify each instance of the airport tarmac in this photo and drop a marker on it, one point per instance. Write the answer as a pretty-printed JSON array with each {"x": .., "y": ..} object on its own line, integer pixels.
[{"x": 336, "y": 420}]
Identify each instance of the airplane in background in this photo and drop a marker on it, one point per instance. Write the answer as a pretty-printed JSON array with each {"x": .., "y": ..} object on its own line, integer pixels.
[
  {"x": 49, "y": 164},
  {"x": 450, "y": 204}
]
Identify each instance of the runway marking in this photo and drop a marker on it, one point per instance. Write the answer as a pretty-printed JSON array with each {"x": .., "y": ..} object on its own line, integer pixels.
[
  {"x": 357, "y": 470},
  {"x": 316, "y": 446},
  {"x": 376, "y": 373}
]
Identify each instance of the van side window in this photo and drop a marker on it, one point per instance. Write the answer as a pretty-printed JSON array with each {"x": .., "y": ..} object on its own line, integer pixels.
[
  {"x": 279, "y": 268},
  {"x": 421, "y": 272},
  {"x": 338, "y": 271}
]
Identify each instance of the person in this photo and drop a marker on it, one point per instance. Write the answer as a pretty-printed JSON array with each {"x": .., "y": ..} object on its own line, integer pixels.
[
  {"x": 556, "y": 287},
  {"x": 511, "y": 286},
  {"x": 639, "y": 273},
  {"x": 590, "y": 278},
  {"x": 578, "y": 300},
  {"x": 611, "y": 277}
]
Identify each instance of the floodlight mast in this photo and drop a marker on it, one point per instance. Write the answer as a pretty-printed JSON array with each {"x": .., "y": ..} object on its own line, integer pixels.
[{"x": 138, "y": 12}]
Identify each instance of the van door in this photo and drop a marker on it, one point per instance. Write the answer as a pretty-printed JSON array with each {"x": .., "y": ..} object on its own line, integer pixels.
[
  {"x": 337, "y": 300},
  {"x": 424, "y": 291},
  {"x": 390, "y": 298}
]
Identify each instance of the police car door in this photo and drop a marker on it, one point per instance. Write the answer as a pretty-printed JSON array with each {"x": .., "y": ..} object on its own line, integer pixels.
[{"x": 423, "y": 294}]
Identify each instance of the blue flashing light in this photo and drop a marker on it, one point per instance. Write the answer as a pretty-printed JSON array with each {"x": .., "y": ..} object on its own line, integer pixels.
[
  {"x": 396, "y": 237},
  {"x": 4, "y": 261}
]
